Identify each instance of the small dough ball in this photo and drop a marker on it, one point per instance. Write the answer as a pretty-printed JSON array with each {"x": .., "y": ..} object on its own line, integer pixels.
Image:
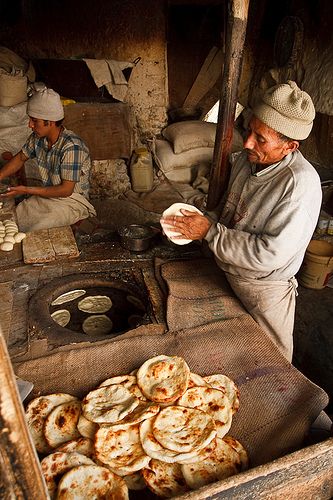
[
  {"x": 6, "y": 246},
  {"x": 9, "y": 239},
  {"x": 1, "y": 239},
  {"x": 19, "y": 237},
  {"x": 11, "y": 232}
]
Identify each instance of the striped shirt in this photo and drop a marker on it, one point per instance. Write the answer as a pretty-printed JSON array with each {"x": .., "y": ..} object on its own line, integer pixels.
[{"x": 67, "y": 159}]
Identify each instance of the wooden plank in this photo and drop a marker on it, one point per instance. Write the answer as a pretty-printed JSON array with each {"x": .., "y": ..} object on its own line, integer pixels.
[
  {"x": 20, "y": 472},
  {"x": 47, "y": 245},
  {"x": 207, "y": 77},
  {"x": 37, "y": 247},
  {"x": 63, "y": 242},
  {"x": 105, "y": 128},
  {"x": 307, "y": 473}
]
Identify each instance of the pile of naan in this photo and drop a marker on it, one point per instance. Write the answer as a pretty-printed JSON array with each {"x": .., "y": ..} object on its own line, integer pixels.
[{"x": 161, "y": 427}]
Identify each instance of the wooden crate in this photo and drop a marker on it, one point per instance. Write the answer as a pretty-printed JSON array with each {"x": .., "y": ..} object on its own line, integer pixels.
[{"x": 307, "y": 473}]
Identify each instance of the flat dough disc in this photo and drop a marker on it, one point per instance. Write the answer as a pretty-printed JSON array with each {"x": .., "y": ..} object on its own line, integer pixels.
[
  {"x": 62, "y": 317},
  {"x": 95, "y": 304},
  {"x": 67, "y": 297},
  {"x": 97, "y": 324},
  {"x": 175, "y": 209}
]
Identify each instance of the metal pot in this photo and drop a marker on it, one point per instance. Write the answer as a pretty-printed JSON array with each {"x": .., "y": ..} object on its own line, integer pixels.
[{"x": 137, "y": 237}]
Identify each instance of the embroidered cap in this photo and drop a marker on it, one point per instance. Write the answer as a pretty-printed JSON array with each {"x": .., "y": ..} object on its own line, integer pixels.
[
  {"x": 287, "y": 109},
  {"x": 45, "y": 104}
]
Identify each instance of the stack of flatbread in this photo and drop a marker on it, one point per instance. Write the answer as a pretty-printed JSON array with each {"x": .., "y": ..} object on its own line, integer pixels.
[{"x": 161, "y": 427}]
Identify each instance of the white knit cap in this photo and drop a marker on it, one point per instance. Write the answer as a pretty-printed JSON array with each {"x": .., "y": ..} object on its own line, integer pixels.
[
  {"x": 45, "y": 104},
  {"x": 287, "y": 109}
]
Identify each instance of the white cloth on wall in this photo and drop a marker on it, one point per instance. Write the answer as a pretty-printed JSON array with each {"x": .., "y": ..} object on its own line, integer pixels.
[{"x": 109, "y": 72}]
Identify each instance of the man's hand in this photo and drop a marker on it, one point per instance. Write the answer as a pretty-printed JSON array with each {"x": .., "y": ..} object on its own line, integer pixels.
[
  {"x": 14, "y": 191},
  {"x": 190, "y": 225}
]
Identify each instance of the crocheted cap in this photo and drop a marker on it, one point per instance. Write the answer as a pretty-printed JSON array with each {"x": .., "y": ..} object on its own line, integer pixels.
[
  {"x": 45, "y": 104},
  {"x": 287, "y": 109}
]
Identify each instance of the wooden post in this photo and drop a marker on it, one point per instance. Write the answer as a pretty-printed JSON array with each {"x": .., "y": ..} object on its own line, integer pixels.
[
  {"x": 20, "y": 472},
  {"x": 236, "y": 30}
]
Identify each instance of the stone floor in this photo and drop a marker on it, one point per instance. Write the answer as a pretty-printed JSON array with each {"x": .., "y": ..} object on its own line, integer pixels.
[{"x": 313, "y": 337}]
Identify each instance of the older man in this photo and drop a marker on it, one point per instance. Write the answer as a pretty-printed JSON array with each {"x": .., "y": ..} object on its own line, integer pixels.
[
  {"x": 63, "y": 164},
  {"x": 271, "y": 210}
]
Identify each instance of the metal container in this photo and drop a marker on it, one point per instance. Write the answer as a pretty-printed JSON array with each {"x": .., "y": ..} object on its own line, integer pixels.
[{"x": 137, "y": 237}]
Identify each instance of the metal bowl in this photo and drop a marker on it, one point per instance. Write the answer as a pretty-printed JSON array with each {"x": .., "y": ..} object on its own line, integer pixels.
[{"x": 137, "y": 237}]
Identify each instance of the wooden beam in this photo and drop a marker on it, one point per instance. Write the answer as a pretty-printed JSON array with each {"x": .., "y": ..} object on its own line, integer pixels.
[
  {"x": 236, "y": 31},
  {"x": 20, "y": 472}
]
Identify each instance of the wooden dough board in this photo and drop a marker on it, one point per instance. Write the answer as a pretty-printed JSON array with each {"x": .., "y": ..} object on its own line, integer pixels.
[{"x": 47, "y": 245}]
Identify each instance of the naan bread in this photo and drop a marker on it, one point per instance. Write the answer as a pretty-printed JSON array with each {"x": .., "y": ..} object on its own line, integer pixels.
[
  {"x": 128, "y": 381},
  {"x": 60, "y": 423},
  {"x": 163, "y": 379},
  {"x": 141, "y": 412},
  {"x": 243, "y": 455},
  {"x": 97, "y": 324},
  {"x": 62, "y": 317},
  {"x": 82, "y": 445},
  {"x": 91, "y": 482},
  {"x": 95, "y": 304},
  {"x": 155, "y": 450},
  {"x": 226, "y": 385},
  {"x": 55, "y": 465},
  {"x": 197, "y": 381},
  {"x": 86, "y": 428},
  {"x": 183, "y": 429},
  {"x": 222, "y": 463},
  {"x": 165, "y": 480},
  {"x": 36, "y": 412},
  {"x": 108, "y": 404},
  {"x": 120, "y": 449},
  {"x": 211, "y": 401},
  {"x": 67, "y": 297}
]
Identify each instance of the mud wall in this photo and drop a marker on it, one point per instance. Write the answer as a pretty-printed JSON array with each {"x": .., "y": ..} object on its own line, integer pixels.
[{"x": 76, "y": 29}]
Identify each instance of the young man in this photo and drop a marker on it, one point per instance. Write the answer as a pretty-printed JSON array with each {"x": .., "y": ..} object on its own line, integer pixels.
[
  {"x": 271, "y": 210},
  {"x": 63, "y": 164}
]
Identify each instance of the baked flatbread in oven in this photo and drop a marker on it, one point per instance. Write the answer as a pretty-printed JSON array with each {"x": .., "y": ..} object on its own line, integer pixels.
[
  {"x": 95, "y": 304},
  {"x": 163, "y": 379},
  {"x": 67, "y": 297}
]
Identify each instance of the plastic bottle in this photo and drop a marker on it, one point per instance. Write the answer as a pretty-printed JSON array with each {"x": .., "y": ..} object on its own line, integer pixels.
[{"x": 141, "y": 170}]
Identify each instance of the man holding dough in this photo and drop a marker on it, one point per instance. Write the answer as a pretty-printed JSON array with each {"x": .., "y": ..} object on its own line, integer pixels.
[
  {"x": 63, "y": 164},
  {"x": 270, "y": 213}
]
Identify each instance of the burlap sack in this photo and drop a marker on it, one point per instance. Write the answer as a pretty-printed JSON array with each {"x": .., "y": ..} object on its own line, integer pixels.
[
  {"x": 277, "y": 403},
  {"x": 198, "y": 294}
]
